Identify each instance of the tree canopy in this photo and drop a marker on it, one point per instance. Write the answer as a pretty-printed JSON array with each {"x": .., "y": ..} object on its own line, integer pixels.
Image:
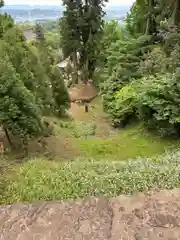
[
  {"x": 26, "y": 82},
  {"x": 81, "y": 31},
  {"x": 140, "y": 78}
]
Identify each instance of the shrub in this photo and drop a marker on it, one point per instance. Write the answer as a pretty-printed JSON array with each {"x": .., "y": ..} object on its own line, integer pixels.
[
  {"x": 82, "y": 129},
  {"x": 44, "y": 180},
  {"x": 158, "y": 99},
  {"x": 124, "y": 105},
  {"x": 155, "y": 62},
  {"x": 122, "y": 66},
  {"x": 60, "y": 93}
]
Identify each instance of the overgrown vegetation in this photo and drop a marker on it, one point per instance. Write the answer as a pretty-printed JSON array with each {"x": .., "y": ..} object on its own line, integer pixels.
[
  {"x": 40, "y": 179},
  {"x": 27, "y": 83},
  {"x": 140, "y": 79},
  {"x": 128, "y": 144},
  {"x": 136, "y": 69}
]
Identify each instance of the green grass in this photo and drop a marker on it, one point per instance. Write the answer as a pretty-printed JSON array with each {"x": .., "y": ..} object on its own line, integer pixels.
[
  {"x": 129, "y": 143},
  {"x": 82, "y": 129},
  {"x": 76, "y": 129},
  {"x": 110, "y": 173},
  {"x": 40, "y": 179}
]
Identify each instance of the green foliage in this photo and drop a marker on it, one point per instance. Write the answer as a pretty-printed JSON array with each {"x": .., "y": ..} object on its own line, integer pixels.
[
  {"x": 122, "y": 66},
  {"x": 111, "y": 34},
  {"x": 142, "y": 18},
  {"x": 124, "y": 106},
  {"x": 52, "y": 40},
  {"x": 78, "y": 129},
  {"x": 136, "y": 19},
  {"x": 140, "y": 79},
  {"x": 129, "y": 144},
  {"x": 18, "y": 111},
  {"x": 19, "y": 56},
  {"x": 90, "y": 25},
  {"x": 69, "y": 30},
  {"x": 33, "y": 64},
  {"x": 82, "y": 129},
  {"x": 81, "y": 30},
  {"x": 156, "y": 61},
  {"x": 159, "y": 104},
  {"x": 26, "y": 81},
  {"x": 6, "y": 23},
  {"x": 60, "y": 93},
  {"x": 45, "y": 180},
  {"x": 39, "y": 33}
]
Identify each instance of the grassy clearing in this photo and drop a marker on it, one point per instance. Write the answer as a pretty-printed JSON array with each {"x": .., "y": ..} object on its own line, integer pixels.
[
  {"x": 71, "y": 128},
  {"x": 92, "y": 136},
  {"x": 40, "y": 179},
  {"x": 129, "y": 143}
]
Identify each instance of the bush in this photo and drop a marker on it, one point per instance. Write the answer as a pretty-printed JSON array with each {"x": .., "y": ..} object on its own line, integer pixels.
[
  {"x": 125, "y": 105},
  {"x": 155, "y": 62},
  {"x": 44, "y": 180},
  {"x": 60, "y": 93},
  {"x": 82, "y": 129},
  {"x": 122, "y": 66},
  {"x": 159, "y": 104}
]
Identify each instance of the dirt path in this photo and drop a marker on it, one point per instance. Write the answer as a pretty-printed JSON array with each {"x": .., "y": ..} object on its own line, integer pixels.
[
  {"x": 95, "y": 115},
  {"x": 153, "y": 216}
]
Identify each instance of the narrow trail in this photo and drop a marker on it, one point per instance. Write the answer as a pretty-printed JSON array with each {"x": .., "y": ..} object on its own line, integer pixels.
[{"x": 95, "y": 115}]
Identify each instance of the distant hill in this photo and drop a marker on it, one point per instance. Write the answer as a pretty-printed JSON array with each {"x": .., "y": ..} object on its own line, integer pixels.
[{"x": 24, "y": 13}]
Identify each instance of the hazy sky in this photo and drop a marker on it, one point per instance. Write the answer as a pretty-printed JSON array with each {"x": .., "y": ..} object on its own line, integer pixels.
[{"x": 56, "y": 2}]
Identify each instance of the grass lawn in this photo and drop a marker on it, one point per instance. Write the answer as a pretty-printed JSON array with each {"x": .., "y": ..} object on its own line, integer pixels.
[
  {"x": 102, "y": 166},
  {"x": 128, "y": 143}
]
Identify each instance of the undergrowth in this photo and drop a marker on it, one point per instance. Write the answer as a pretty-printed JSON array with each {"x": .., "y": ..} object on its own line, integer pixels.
[
  {"x": 128, "y": 143},
  {"x": 40, "y": 179},
  {"x": 75, "y": 129}
]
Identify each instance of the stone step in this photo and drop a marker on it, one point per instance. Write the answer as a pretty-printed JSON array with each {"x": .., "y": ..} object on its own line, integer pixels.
[{"x": 151, "y": 216}]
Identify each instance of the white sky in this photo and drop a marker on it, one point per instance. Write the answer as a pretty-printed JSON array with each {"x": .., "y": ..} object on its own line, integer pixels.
[{"x": 57, "y": 2}]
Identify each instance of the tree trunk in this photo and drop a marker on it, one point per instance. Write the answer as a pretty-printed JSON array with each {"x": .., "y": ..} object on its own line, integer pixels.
[
  {"x": 8, "y": 137},
  {"x": 75, "y": 63},
  {"x": 151, "y": 27},
  {"x": 176, "y": 13}
]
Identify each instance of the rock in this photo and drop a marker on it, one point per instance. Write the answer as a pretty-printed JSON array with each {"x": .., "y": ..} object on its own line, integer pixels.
[
  {"x": 153, "y": 217},
  {"x": 87, "y": 219}
]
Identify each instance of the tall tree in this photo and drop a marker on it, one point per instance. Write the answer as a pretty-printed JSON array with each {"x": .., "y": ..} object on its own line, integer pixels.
[
  {"x": 176, "y": 12},
  {"x": 91, "y": 28},
  {"x": 69, "y": 32},
  {"x": 39, "y": 33},
  {"x": 142, "y": 18},
  {"x": 81, "y": 30},
  {"x": 151, "y": 27},
  {"x": 19, "y": 113}
]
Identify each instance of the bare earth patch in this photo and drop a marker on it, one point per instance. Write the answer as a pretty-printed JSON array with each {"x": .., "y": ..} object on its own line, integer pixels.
[
  {"x": 95, "y": 115},
  {"x": 152, "y": 216}
]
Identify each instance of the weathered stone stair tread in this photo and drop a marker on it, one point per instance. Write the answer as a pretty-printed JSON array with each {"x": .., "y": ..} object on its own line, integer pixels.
[{"x": 152, "y": 216}]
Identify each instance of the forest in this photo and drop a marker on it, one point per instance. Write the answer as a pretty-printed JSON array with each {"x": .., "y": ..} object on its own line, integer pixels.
[{"x": 128, "y": 140}]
